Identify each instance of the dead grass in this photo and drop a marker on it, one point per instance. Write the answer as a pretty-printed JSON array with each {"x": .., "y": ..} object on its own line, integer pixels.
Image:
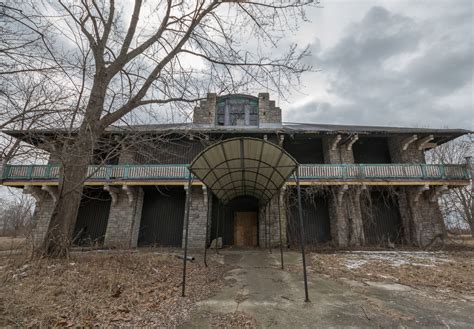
[
  {"x": 8, "y": 243},
  {"x": 103, "y": 289},
  {"x": 444, "y": 271}
]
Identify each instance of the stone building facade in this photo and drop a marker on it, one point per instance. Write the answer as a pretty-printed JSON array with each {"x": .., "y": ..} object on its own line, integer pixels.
[{"x": 337, "y": 216}]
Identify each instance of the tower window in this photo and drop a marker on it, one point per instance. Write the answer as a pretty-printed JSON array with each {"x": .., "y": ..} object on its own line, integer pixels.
[{"x": 237, "y": 111}]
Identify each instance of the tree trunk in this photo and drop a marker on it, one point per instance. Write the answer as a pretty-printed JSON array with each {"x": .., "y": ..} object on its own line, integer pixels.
[{"x": 76, "y": 159}]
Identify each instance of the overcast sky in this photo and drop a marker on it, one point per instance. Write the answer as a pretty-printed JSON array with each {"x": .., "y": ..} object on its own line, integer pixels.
[{"x": 405, "y": 63}]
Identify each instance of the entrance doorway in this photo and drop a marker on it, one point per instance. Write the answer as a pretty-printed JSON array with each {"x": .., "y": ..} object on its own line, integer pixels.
[
  {"x": 235, "y": 220},
  {"x": 245, "y": 229}
]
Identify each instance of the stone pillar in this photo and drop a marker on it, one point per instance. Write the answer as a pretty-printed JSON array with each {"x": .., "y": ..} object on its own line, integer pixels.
[
  {"x": 344, "y": 201},
  {"x": 43, "y": 212},
  {"x": 127, "y": 153},
  {"x": 421, "y": 217},
  {"x": 124, "y": 217},
  {"x": 197, "y": 217}
]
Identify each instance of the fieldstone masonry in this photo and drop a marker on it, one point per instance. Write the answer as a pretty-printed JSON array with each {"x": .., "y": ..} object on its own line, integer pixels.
[
  {"x": 197, "y": 217},
  {"x": 43, "y": 212},
  {"x": 124, "y": 219},
  {"x": 421, "y": 219}
]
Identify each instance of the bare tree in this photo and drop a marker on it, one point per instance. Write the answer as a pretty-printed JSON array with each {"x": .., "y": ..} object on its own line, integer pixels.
[
  {"x": 16, "y": 215},
  {"x": 114, "y": 60},
  {"x": 457, "y": 204}
]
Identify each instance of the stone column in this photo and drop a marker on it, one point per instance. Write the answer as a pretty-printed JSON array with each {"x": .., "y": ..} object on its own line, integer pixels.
[
  {"x": 43, "y": 212},
  {"x": 344, "y": 201},
  {"x": 197, "y": 217},
  {"x": 421, "y": 217},
  {"x": 124, "y": 217}
]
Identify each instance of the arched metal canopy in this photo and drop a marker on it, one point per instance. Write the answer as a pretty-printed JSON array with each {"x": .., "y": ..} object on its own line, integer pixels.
[{"x": 244, "y": 166}]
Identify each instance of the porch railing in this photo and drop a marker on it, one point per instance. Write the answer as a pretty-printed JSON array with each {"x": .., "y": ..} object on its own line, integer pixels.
[{"x": 306, "y": 171}]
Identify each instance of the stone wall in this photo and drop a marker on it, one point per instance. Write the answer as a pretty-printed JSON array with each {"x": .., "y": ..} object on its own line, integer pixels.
[
  {"x": 124, "y": 218},
  {"x": 205, "y": 113},
  {"x": 268, "y": 113},
  {"x": 411, "y": 155},
  {"x": 197, "y": 218}
]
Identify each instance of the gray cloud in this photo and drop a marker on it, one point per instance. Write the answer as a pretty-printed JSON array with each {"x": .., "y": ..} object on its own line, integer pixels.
[{"x": 392, "y": 69}]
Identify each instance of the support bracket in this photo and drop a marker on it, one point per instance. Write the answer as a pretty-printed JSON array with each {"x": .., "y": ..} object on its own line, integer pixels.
[
  {"x": 34, "y": 191},
  {"x": 114, "y": 193},
  {"x": 438, "y": 190},
  {"x": 420, "y": 191},
  {"x": 335, "y": 142},
  {"x": 352, "y": 140},
  {"x": 423, "y": 143},
  {"x": 359, "y": 190},
  {"x": 340, "y": 192},
  {"x": 407, "y": 141},
  {"x": 52, "y": 191},
  {"x": 130, "y": 190}
]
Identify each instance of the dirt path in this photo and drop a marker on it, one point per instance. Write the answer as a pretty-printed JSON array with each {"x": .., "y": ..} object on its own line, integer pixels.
[{"x": 275, "y": 298}]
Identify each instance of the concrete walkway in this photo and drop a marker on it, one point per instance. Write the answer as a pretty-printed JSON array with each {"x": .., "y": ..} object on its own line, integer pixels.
[{"x": 275, "y": 298}]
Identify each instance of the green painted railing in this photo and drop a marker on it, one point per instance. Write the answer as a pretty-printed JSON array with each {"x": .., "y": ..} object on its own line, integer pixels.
[{"x": 306, "y": 171}]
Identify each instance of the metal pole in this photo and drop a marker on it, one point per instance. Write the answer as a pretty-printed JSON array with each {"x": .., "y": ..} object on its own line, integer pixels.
[
  {"x": 265, "y": 226},
  {"x": 270, "y": 226},
  {"x": 188, "y": 204},
  {"x": 279, "y": 224},
  {"x": 300, "y": 212},
  {"x": 217, "y": 226},
  {"x": 209, "y": 205}
]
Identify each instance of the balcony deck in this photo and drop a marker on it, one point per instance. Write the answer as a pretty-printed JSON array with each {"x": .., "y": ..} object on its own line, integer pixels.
[{"x": 310, "y": 174}]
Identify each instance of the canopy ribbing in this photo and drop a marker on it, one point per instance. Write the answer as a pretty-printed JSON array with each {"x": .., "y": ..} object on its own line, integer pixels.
[{"x": 243, "y": 166}]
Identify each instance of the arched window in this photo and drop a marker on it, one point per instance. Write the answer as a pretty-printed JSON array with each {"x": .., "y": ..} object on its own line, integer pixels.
[{"x": 237, "y": 110}]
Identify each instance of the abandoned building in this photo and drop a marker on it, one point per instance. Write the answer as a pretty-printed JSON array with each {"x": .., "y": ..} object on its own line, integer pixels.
[{"x": 360, "y": 185}]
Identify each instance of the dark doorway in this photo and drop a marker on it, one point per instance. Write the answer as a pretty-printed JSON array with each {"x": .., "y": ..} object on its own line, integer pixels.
[
  {"x": 371, "y": 150},
  {"x": 92, "y": 217},
  {"x": 315, "y": 217},
  {"x": 162, "y": 217},
  {"x": 225, "y": 215},
  {"x": 305, "y": 150},
  {"x": 381, "y": 216}
]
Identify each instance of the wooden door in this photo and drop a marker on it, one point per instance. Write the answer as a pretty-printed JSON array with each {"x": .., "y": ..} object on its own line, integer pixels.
[{"x": 245, "y": 229}]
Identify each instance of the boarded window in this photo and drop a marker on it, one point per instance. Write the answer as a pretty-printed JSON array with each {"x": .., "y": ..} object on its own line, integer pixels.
[
  {"x": 315, "y": 217},
  {"x": 162, "y": 217},
  {"x": 92, "y": 217},
  {"x": 381, "y": 217}
]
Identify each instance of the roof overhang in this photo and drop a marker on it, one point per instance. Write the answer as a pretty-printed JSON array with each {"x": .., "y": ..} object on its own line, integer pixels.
[{"x": 244, "y": 166}]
